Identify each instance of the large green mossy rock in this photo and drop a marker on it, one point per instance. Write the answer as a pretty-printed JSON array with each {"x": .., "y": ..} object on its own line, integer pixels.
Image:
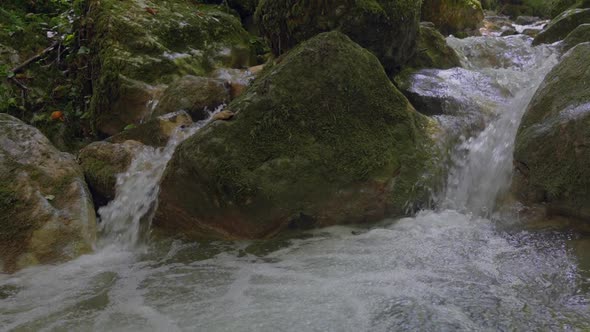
[
  {"x": 562, "y": 25},
  {"x": 552, "y": 153},
  {"x": 46, "y": 212},
  {"x": 321, "y": 138},
  {"x": 388, "y": 28},
  {"x": 141, "y": 45},
  {"x": 581, "y": 34},
  {"x": 456, "y": 17},
  {"x": 433, "y": 51},
  {"x": 559, "y": 6}
]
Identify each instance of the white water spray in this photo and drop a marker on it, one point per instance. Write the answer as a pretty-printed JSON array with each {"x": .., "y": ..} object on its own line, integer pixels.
[
  {"x": 126, "y": 218},
  {"x": 482, "y": 165}
]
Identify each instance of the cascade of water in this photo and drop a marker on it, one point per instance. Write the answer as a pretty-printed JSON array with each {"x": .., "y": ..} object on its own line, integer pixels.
[
  {"x": 482, "y": 165},
  {"x": 125, "y": 218}
]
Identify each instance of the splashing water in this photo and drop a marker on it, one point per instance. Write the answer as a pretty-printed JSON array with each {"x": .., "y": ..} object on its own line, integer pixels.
[
  {"x": 129, "y": 215},
  {"x": 443, "y": 270},
  {"x": 482, "y": 165}
]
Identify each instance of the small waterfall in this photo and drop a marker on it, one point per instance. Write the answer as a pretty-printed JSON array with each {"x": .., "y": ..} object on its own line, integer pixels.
[
  {"x": 482, "y": 165},
  {"x": 126, "y": 218}
]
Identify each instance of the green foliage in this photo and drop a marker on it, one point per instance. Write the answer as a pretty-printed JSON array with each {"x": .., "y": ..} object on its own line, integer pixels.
[{"x": 57, "y": 80}]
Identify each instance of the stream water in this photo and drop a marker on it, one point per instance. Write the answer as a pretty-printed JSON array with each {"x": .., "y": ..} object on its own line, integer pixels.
[{"x": 464, "y": 267}]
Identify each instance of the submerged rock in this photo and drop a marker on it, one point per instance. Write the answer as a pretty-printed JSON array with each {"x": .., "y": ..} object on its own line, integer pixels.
[
  {"x": 562, "y": 25},
  {"x": 101, "y": 162},
  {"x": 196, "y": 95},
  {"x": 552, "y": 155},
  {"x": 581, "y": 34},
  {"x": 458, "y": 17},
  {"x": 320, "y": 138},
  {"x": 137, "y": 48},
  {"x": 46, "y": 213},
  {"x": 388, "y": 28}
]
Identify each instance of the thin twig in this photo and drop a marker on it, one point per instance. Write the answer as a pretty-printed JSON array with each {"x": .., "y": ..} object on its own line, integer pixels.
[
  {"x": 17, "y": 82},
  {"x": 34, "y": 59}
]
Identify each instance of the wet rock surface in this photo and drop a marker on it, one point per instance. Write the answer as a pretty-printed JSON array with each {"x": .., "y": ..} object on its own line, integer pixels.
[
  {"x": 552, "y": 156},
  {"x": 101, "y": 162},
  {"x": 140, "y": 46},
  {"x": 46, "y": 212},
  {"x": 299, "y": 148}
]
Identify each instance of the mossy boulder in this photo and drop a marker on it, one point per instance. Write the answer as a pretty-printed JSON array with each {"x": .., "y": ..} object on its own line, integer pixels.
[
  {"x": 581, "y": 34},
  {"x": 552, "y": 155},
  {"x": 388, "y": 28},
  {"x": 433, "y": 51},
  {"x": 195, "y": 95},
  {"x": 102, "y": 162},
  {"x": 139, "y": 46},
  {"x": 458, "y": 17},
  {"x": 559, "y": 6},
  {"x": 320, "y": 138},
  {"x": 46, "y": 212},
  {"x": 562, "y": 25}
]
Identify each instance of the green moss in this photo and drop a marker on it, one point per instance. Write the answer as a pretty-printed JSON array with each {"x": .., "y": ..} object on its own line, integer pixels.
[
  {"x": 55, "y": 81},
  {"x": 453, "y": 16},
  {"x": 433, "y": 52},
  {"x": 386, "y": 28},
  {"x": 553, "y": 139},
  {"x": 562, "y": 25},
  {"x": 181, "y": 38},
  {"x": 14, "y": 229},
  {"x": 100, "y": 174},
  {"x": 559, "y": 6},
  {"x": 323, "y": 133},
  {"x": 581, "y": 34}
]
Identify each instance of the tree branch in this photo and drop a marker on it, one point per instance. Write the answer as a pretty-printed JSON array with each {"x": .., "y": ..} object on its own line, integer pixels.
[{"x": 35, "y": 58}]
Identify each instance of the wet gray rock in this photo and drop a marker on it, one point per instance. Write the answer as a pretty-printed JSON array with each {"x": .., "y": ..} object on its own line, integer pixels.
[
  {"x": 46, "y": 212},
  {"x": 552, "y": 154}
]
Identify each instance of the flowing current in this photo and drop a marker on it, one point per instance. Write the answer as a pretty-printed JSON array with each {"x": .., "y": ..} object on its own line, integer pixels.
[{"x": 459, "y": 268}]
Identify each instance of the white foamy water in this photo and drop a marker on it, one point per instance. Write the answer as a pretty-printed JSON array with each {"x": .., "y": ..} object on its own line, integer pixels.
[
  {"x": 124, "y": 218},
  {"x": 481, "y": 166},
  {"x": 446, "y": 270}
]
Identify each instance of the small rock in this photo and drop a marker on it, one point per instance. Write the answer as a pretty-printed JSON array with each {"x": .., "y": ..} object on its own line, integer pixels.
[
  {"x": 101, "y": 162},
  {"x": 195, "y": 95},
  {"x": 526, "y": 20},
  {"x": 223, "y": 115},
  {"x": 256, "y": 69},
  {"x": 510, "y": 31}
]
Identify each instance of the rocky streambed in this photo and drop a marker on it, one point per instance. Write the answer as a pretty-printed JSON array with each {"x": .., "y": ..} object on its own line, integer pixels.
[{"x": 329, "y": 189}]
